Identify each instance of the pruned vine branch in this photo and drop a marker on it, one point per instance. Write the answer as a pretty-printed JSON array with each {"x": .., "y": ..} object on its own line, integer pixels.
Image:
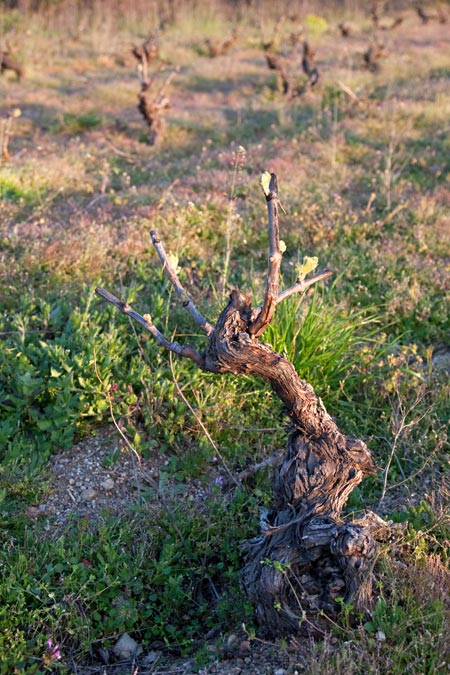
[
  {"x": 147, "y": 323},
  {"x": 259, "y": 318},
  {"x": 186, "y": 300},
  {"x": 265, "y": 314}
]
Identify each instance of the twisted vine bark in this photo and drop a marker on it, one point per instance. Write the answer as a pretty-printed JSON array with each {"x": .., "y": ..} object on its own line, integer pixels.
[
  {"x": 152, "y": 103},
  {"x": 306, "y": 560}
]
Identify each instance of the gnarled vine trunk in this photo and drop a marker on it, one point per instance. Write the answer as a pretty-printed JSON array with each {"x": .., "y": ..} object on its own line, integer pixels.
[{"x": 306, "y": 558}]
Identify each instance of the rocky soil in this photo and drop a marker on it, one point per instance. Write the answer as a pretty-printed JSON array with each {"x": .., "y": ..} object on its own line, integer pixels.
[
  {"x": 236, "y": 658},
  {"x": 97, "y": 475}
]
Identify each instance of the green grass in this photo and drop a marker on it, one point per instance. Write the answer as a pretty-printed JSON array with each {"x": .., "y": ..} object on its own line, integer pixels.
[
  {"x": 365, "y": 186},
  {"x": 163, "y": 585},
  {"x": 13, "y": 190},
  {"x": 76, "y": 124}
]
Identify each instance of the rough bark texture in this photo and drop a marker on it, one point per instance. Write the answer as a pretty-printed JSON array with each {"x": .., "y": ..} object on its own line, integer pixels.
[
  {"x": 305, "y": 557},
  {"x": 153, "y": 102},
  {"x": 306, "y": 560},
  {"x": 286, "y": 70},
  {"x": 152, "y": 110}
]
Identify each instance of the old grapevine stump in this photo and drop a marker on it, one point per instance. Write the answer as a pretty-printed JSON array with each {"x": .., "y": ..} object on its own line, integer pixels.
[
  {"x": 152, "y": 101},
  {"x": 306, "y": 561}
]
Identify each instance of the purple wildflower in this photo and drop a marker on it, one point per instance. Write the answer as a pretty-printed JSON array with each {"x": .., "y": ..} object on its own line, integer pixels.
[{"x": 53, "y": 650}]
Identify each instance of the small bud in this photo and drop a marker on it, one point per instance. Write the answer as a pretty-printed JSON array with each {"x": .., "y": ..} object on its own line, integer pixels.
[
  {"x": 173, "y": 260},
  {"x": 265, "y": 182}
]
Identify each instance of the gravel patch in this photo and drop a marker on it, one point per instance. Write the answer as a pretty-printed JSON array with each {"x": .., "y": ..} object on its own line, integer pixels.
[
  {"x": 95, "y": 476},
  {"x": 238, "y": 657}
]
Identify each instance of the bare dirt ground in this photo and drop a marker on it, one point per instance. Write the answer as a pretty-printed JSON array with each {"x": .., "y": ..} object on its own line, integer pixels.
[
  {"x": 97, "y": 475},
  {"x": 258, "y": 659}
]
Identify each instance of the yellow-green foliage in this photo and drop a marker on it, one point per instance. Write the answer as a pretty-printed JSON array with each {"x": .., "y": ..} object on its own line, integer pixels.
[{"x": 315, "y": 24}]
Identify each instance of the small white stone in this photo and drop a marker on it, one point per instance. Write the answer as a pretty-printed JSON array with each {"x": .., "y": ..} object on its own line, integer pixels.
[
  {"x": 380, "y": 636},
  {"x": 280, "y": 671},
  {"x": 88, "y": 495},
  {"x": 108, "y": 484},
  {"x": 126, "y": 647}
]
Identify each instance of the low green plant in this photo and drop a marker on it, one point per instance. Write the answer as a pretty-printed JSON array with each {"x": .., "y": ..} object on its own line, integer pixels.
[
  {"x": 16, "y": 190},
  {"x": 170, "y": 580},
  {"x": 428, "y": 528},
  {"x": 326, "y": 343},
  {"x": 315, "y": 24},
  {"x": 410, "y": 625},
  {"x": 48, "y": 384},
  {"x": 72, "y": 123},
  {"x": 56, "y": 372}
]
